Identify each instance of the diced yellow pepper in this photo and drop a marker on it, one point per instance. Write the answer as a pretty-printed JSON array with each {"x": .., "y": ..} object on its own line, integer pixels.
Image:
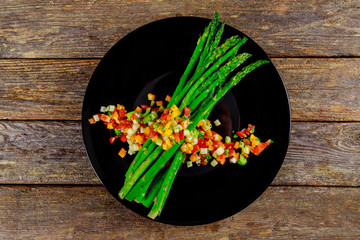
[
  {"x": 147, "y": 130},
  {"x": 151, "y": 97},
  {"x": 193, "y": 157},
  {"x": 138, "y": 109},
  {"x": 236, "y": 145},
  {"x": 167, "y": 132},
  {"x": 174, "y": 111},
  {"x": 168, "y": 98},
  {"x": 168, "y": 124},
  {"x": 122, "y": 152},
  {"x": 109, "y": 126}
]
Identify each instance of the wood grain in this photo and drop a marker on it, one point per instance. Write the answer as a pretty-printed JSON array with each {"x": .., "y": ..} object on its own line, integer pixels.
[
  {"x": 34, "y": 212},
  {"x": 320, "y": 89},
  {"x": 37, "y": 152},
  {"x": 77, "y": 29}
]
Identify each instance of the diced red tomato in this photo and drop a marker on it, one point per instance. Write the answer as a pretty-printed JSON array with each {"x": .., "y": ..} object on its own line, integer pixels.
[{"x": 166, "y": 111}]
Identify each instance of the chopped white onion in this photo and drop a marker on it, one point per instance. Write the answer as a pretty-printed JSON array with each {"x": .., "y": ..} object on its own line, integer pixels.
[
  {"x": 96, "y": 118},
  {"x": 220, "y": 151},
  {"x": 233, "y": 160},
  {"x": 189, "y": 164},
  {"x": 214, "y": 163},
  {"x": 102, "y": 109},
  {"x": 111, "y": 108},
  {"x": 217, "y": 122},
  {"x": 203, "y": 150}
]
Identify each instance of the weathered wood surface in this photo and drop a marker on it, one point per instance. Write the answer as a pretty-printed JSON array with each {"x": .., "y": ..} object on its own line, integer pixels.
[
  {"x": 320, "y": 89},
  {"x": 36, "y": 212},
  {"x": 76, "y": 29},
  {"x": 49, "y": 152}
]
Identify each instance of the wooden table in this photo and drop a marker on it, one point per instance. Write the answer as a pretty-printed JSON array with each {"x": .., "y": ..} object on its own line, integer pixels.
[{"x": 48, "y": 51}]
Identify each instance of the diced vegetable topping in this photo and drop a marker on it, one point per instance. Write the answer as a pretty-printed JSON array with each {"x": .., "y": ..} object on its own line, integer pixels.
[{"x": 167, "y": 126}]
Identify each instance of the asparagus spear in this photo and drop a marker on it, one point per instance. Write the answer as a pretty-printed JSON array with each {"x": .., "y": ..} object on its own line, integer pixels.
[
  {"x": 218, "y": 52},
  {"x": 194, "y": 58},
  {"x": 169, "y": 178}
]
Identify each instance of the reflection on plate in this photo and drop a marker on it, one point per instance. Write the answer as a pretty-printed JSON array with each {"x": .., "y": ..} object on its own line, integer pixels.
[{"x": 152, "y": 59}]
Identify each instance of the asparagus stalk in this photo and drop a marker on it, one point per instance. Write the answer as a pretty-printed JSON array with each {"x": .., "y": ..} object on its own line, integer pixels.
[
  {"x": 209, "y": 42},
  {"x": 220, "y": 51},
  {"x": 169, "y": 178},
  {"x": 166, "y": 185},
  {"x": 194, "y": 58}
]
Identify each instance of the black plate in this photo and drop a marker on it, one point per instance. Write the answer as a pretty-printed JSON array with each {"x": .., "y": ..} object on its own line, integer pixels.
[{"x": 151, "y": 59}]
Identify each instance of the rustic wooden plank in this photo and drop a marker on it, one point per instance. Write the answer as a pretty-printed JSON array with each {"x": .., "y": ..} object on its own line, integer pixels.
[
  {"x": 320, "y": 89},
  {"x": 50, "y": 152},
  {"x": 43, "y": 89},
  {"x": 280, "y": 213},
  {"x": 76, "y": 29}
]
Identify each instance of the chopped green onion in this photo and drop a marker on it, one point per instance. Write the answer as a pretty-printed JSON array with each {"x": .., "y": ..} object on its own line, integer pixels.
[{"x": 242, "y": 161}]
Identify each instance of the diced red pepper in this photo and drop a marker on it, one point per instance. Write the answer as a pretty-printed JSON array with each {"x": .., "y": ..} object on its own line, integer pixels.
[
  {"x": 144, "y": 106},
  {"x": 187, "y": 112},
  {"x": 260, "y": 147},
  {"x": 195, "y": 148},
  {"x": 134, "y": 116},
  {"x": 216, "y": 144},
  {"x": 241, "y": 134},
  {"x": 105, "y": 118},
  {"x": 112, "y": 139},
  {"x": 221, "y": 159},
  {"x": 122, "y": 113},
  {"x": 166, "y": 111},
  {"x": 153, "y": 134},
  {"x": 177, "y": 137},
  {"x": 181, "y": 135},
  {"x": 163, "y": 117},
  {"x": 201, "y": 143},
  {"x": 123, "y": 138},
  {"x": 227, "y": 145},
  {"x": 250, "y": 127}
]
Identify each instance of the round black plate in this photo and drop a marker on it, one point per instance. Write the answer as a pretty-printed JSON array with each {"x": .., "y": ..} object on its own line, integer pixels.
[{"x": 152, "y": 59}]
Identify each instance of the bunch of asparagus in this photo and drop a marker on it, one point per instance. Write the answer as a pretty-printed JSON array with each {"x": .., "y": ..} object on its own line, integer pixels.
[{"x": 203, "y": 83}]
